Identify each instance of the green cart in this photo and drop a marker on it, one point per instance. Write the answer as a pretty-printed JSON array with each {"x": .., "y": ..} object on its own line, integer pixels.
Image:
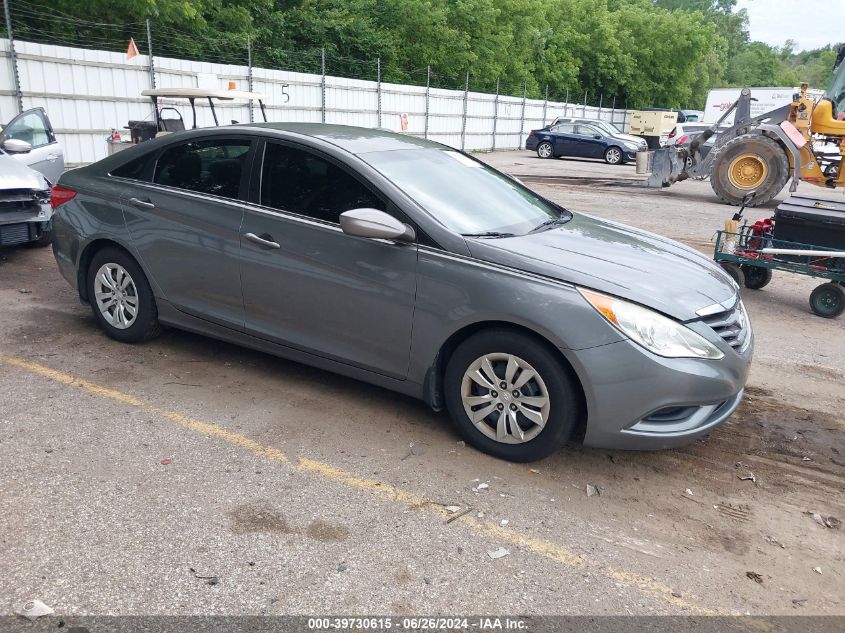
[{"x": 751, "y": 254}]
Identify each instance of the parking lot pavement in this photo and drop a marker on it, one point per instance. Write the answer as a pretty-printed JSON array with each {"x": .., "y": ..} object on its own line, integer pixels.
[{"x": 191, "y": 476}]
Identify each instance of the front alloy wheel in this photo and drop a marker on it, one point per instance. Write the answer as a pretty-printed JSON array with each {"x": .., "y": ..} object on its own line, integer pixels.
[
  {"x": 511, "y": 395},
  {"x": 505, "y": 398},
  {"x": 613, "y": 156}
]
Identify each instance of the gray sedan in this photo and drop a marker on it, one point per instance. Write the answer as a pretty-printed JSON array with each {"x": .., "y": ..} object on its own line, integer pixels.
[{"x": 413, "y": 266}]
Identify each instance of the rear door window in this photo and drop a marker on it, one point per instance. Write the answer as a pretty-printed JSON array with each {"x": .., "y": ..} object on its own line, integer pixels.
[{"x": 214, "y": 166}]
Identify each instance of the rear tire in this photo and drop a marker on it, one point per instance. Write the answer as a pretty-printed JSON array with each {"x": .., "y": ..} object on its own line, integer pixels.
[
  {"x": 735, "y": 272},
  {"x": 539, "y": 415},
  {"x": 545, "y": 150},
  {"x": 751, "y": 162},
  {"x": 756, "y": 277},
  {"x": 828, "y": 300},
  {"x": 112, "y": 268}
]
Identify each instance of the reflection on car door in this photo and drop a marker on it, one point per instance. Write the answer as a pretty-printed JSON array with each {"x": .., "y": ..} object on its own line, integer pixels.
[
  {"x": 588, "y": 145},
  {"x": 186, "y": 225},
  {"x": 46, "y": 154},
  {"x": 308, "y": 285}
]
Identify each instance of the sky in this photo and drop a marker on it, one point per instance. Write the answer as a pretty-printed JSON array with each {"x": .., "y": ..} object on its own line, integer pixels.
[{"x": 775, "y": 21}]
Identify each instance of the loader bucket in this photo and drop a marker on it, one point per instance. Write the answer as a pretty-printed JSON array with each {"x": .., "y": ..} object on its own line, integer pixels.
[{"x": 667, "y": 167}]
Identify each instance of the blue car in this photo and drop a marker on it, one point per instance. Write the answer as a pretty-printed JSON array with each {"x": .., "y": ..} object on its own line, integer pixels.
[{"x": 580, "y": 140}]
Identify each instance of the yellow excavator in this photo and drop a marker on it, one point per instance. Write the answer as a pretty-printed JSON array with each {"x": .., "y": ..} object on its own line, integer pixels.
[{"x": 761, "y": 154}]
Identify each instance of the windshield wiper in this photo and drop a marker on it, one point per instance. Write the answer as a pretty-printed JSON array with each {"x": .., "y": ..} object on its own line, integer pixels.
[
  {"x": 551, "y": 222},
  {"x": 488, "y": 234}
]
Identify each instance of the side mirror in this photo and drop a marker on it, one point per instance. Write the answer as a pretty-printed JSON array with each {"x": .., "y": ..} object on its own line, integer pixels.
[
  {"x": 17, "y": 146},
  {"x": 375, "y": 224},
  {"x": 597, "y": 136}
]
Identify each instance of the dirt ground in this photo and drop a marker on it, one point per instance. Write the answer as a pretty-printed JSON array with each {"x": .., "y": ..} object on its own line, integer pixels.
[{"x": 190, "y": 476}]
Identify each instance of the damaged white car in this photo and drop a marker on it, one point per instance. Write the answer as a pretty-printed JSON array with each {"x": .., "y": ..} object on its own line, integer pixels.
[{"x": 30, "y": 160}]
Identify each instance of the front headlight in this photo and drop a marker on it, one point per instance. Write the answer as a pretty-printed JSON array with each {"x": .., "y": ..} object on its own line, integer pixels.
[
  {"x": 657, "y": 333},
  {"x": 631, "y": 146}
]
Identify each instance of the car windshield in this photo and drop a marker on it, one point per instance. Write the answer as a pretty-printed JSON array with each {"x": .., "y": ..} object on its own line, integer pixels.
[{"x": 464, "y": 194}]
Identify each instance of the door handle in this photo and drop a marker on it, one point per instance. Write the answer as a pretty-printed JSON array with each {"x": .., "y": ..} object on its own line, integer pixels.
[
  {"x": 252, "y": 237},
  {"x": 52, "y": 157},
  {"x": 141, "y": 204}
]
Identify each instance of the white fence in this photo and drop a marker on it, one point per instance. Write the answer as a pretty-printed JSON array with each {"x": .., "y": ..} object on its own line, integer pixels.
[{"x": 87, "y": 93}]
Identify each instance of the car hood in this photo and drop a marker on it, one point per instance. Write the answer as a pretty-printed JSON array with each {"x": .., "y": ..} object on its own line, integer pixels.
[
  {"x": 631, "y": 138},
  {"x": 619, "y": 260},
  {"x": 16, "y": 175}
]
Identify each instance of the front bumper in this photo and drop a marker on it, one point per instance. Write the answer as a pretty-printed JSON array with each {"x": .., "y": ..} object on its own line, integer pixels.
[
  {"x": 630, "y": 155},
  {"x": 637, "y": 400}
]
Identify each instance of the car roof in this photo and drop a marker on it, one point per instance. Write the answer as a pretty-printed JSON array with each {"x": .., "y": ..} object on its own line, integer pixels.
[{"x": 357, "y": 140}]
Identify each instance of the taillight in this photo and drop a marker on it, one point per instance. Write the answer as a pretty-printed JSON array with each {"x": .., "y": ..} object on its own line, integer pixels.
[
  {"x": 532, "y": 133},
  {"x": 59, "y": 195},
  {"x": 672, "y": 134},
  {"x": 683, "y": 140}
]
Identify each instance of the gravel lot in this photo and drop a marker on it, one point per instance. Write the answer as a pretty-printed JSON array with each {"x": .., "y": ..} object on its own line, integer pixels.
[{"x": 189, "y": 476}]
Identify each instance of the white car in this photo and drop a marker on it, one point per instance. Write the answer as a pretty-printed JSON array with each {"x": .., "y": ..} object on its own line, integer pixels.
[{"x": 30, "y": 161}]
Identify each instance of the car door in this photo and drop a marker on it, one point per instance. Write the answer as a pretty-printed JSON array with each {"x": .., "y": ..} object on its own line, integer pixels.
[
  {"x": 564, "y": 139},
  {"x": 185, "y": 224},
  {"x": 591, "y": 142},
  {"x": 45, "y": 155},
  {"x": 307, "y": 284}
]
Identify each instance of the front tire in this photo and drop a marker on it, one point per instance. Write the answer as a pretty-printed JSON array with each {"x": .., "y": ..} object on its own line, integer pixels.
[
  {"x": 121, "y": 297},
  {"x": 545, "y": 150},
  {"x": 613, "y": 156},
  {"x": 828, "y": 300},
  {"x": 756, "y": 277},
  {"x": 735, "y": 272},
  {"x": 510, "y": 396},
  {"x": 751, "y": 162}
]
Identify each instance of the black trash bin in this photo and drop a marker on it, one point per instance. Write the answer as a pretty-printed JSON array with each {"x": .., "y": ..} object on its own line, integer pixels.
[{"x": 142, "y": 130}]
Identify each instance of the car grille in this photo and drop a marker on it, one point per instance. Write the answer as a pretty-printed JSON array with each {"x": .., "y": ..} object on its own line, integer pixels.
[{"x": 731, "y": 325}]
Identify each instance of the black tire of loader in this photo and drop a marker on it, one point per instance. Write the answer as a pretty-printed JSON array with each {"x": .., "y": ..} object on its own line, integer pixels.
[{"x": 776, "y": 160}]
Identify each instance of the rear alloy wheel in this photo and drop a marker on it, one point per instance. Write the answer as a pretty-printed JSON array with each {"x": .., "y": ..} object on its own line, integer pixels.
[
  {"x": 828, "y": 300},
  {"x": 121, "y": 297},
  {"x": 544, "y": 150},
  {"x": 613, "y": 156},
  {"x": 509, "y": 396},
  {"x": 749, "y": 163},
  {"x": 756, "y": 277}
]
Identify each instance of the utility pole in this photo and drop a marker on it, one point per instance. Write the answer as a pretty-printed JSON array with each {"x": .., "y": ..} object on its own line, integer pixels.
[
  {"x": 13, "y": 57},
  {"x": 150, "y": 53},
  {"x": 522, "y": 118},
  {"x": 545, "y": 104}
]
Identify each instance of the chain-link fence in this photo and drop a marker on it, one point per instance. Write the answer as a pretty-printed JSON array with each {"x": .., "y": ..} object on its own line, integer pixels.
[{"x": 81, "y": 73}]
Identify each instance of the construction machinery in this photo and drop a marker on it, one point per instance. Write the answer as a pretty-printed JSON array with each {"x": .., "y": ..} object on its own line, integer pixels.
[{"x": 761, "y": 154}]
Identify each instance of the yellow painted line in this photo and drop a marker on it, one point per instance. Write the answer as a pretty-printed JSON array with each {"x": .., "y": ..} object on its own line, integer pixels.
[{"x": 546, "y": 549}]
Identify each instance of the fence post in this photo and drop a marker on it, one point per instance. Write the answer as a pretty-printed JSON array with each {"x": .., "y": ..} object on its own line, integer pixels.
[
  {"x": 464, "y": 120},
  {"x": 625, "y": 117},
  {"x": 378, "y": 87},
  {"x": 322, "y": 85},
  {"x": 13, "y": 57},
  {"x": 495, "y": 115},
  {"x": 522, "y": 116},
  {"x": 150, "y": 52},
  {"x": 249, "y": 72},
  {"x": 601, "y": 98},
  {"x": 545, "y": 104},
  {"x": 613, "y": 112},
  {"x": 566, "y": 104},
  {"x": 427, "y": 97},
  {"x": 584, "y": 107}
]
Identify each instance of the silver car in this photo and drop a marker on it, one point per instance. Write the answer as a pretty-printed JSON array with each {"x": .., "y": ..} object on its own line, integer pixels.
[
  {"x": 30, "y": 159},
  {"x": 413, "y": 266}
]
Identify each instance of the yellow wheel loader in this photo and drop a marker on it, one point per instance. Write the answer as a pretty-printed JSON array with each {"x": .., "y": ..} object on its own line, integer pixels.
[{"x": 761, "y": 154}]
